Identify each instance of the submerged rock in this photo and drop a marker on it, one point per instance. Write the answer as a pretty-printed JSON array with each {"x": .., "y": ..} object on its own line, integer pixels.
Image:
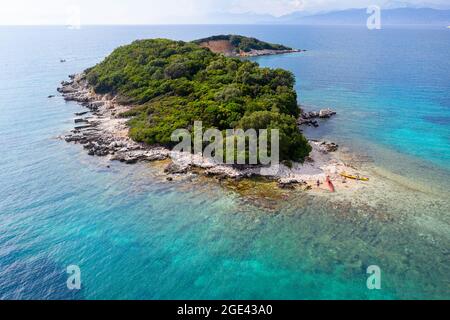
[
  {"x": 329, "y": 146},
  {"x": 288, "y": 183},
  {"x": 175, "y": 168}
]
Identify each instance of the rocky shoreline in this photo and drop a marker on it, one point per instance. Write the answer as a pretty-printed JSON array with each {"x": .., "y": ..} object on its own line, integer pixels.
[
  {"x": 103, "y": 133},
  {"x": 265, "y": 52},
  {"x": 310, "y": 118}
]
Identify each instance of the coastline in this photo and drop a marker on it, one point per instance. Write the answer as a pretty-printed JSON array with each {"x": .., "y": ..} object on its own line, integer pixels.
[
  {"x": 266, "y": 52},
  {"x": 102, "y": 132}
]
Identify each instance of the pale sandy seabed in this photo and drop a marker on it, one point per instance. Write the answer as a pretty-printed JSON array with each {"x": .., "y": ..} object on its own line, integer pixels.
[{"x": 388, "y": 221}]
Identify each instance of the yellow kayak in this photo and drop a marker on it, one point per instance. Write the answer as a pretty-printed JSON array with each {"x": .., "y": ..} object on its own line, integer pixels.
[{"x": 354, "y": 177}]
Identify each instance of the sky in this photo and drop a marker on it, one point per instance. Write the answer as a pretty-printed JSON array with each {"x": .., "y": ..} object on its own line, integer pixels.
[{"x": 64, "y": 12}]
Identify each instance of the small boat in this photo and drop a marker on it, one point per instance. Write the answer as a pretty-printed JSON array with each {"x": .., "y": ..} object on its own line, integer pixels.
[
  {"x": 330, "y": 184},
  {"x": 357, "y": 177}
]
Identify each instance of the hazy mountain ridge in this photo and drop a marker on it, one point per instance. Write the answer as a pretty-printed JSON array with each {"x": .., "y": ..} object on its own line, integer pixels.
[{"x": 398, "y": 16}]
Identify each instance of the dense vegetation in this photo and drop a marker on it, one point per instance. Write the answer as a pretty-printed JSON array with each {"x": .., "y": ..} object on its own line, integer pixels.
[
  {"x": 245, "y": 44},
  {"x": 174, "y": 83}
]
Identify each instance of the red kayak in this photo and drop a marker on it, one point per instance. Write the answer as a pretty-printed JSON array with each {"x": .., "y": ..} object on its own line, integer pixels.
[{"x": 330, "y": 184}]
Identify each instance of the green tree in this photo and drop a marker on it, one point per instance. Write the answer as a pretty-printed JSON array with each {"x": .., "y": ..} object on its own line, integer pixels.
[{"x": 171, "y": 84}]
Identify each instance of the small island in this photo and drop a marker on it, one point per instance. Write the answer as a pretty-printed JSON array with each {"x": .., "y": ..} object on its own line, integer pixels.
[
  {"x": 240, "y": 46},
  {"x": 144, "y": 91}
]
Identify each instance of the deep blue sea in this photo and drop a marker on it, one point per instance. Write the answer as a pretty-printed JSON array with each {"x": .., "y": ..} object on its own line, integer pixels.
[{"x": 136, "y": 236}]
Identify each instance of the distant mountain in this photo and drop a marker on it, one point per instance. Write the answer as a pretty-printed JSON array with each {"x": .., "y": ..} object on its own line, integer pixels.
[{"x": 400, "y": 16}]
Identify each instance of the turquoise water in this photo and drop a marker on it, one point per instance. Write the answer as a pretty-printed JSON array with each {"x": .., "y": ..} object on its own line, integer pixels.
[
  {"x": 389, "y": 87},
  {"x": 136, "y": 236}
]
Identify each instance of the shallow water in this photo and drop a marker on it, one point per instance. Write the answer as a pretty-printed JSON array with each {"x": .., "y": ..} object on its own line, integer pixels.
[{"x": 135, "y": 236}]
